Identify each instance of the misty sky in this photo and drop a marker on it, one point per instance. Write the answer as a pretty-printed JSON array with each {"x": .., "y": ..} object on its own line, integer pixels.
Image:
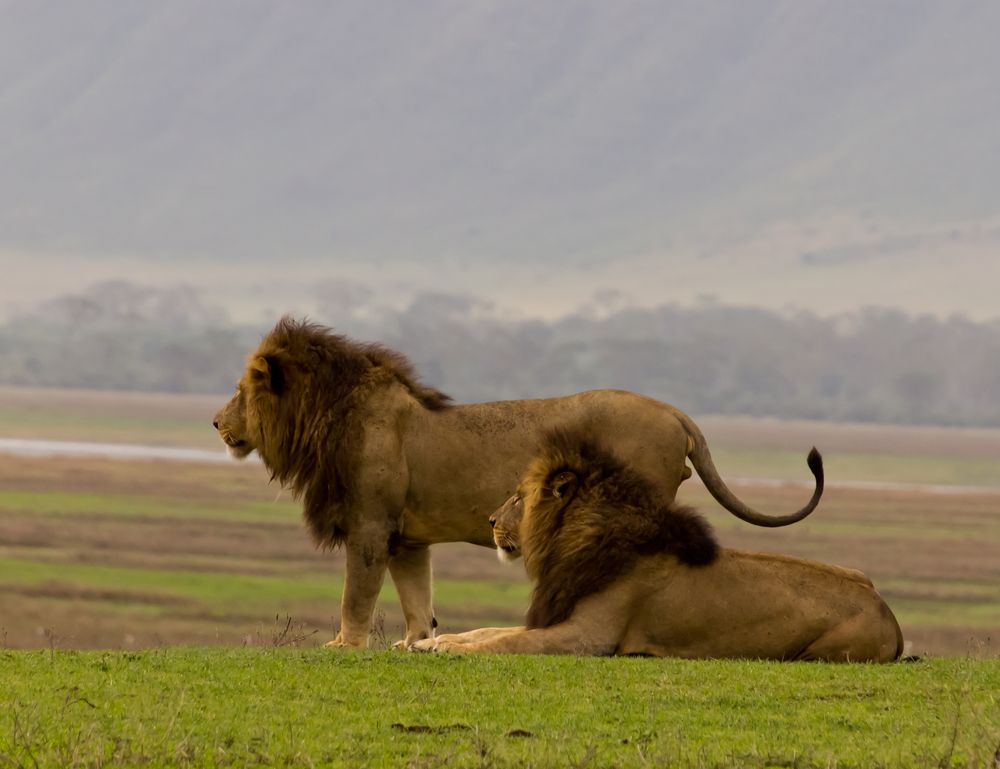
[{"x": 779, "y": 154}]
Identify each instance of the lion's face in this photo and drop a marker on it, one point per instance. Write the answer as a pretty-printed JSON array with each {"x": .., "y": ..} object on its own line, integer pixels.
[
  {"x": 231, "y": 422},
  {"x": 538, "y": 496},
  {"x": 506, "y": 523}
]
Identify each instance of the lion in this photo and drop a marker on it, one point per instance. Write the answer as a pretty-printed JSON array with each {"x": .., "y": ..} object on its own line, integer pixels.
[
  {"x": 386, "y": 466},
  {"x": 618, "y": 570}
]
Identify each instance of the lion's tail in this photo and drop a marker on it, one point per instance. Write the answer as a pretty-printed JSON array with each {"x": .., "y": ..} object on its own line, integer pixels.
[{"x": 701, "y": 458}]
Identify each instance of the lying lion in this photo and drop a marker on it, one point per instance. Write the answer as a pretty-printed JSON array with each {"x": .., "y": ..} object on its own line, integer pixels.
[
  {"x": 386, "y": 466},
  {"x": 618, "y": 571}
]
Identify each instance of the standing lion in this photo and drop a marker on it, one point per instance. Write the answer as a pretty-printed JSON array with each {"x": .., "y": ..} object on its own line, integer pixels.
[{"x": 386, "y": 466}]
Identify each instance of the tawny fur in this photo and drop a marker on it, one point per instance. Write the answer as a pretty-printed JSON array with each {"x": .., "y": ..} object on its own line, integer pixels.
[
  {"x": 386, "y": 467},
  {"x": 577, "y": 546},
  {"x": 610, "y": 583},
  {"x": 300, "y": 404}
]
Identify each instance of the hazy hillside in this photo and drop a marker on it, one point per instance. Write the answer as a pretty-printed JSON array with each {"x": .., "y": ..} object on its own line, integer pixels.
[{"x": 704, "y": 139}]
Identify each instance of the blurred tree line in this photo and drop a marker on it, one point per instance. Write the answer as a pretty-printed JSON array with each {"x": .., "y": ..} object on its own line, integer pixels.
[{"x": 874, "y": 365}]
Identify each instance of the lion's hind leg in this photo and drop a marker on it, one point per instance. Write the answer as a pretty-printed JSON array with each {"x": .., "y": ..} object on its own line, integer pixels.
[{"x": 871, "y": 635}]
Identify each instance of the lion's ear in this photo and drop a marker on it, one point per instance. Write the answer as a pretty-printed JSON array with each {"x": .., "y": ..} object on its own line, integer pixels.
[
  {"x": 563, "y": 485},
  {"x": 266, "y": 369}
]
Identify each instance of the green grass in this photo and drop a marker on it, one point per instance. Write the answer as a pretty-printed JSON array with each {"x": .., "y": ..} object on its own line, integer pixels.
[
  {"x": 54, "y": 503},
  {"x": 954, "y": 589},
  {"x": 80, "y": 424},
  {"x": 982, "y": 615},
  {"x": 228, "y": 592},
  {"x": 224, "y": 593},
  {"x": 286, "y": 707}
]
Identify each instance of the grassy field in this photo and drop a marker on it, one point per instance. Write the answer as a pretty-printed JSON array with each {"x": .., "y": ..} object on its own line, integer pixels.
[
  {"x": 99, "y": 553},
  {"x": 84, "y": 415},
  {"x": 287, "y": 707},
  {"x": 201, "y": 586}
]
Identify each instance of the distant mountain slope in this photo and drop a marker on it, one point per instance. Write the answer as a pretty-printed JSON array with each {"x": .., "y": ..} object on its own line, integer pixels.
[{"x": 467, "y": 133}]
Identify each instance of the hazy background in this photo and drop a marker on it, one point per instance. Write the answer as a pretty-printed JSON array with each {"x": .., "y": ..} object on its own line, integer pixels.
[
  {"x": 767, "y": 208},
  {"x": 782, "y": 217}
]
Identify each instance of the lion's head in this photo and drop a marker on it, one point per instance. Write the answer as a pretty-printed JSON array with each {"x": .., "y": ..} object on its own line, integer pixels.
[
  {"x": 294, "y": 406},
  {"x": 506, "y": 523},
  {"x": 231, "y": 422},
  {"x": 581, "y": 518}
]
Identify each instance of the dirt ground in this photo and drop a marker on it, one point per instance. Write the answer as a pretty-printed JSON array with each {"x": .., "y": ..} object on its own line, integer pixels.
[
  {"x": 763, "y": 434},
  {"x": 99, "y": 553},
  {"x": 936, "y": 558}
]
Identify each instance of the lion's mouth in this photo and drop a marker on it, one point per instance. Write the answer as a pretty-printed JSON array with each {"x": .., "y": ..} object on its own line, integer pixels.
[
  {"x": 232, "y": 442},
  {"x": 238, "y": 448},
  {"x": 508, "y": 553}
]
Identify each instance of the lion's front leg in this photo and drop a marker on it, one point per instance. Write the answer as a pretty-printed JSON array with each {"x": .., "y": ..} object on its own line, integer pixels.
[
  {"x": 410, "y": 568},
  {"x": 367, "y": 560},
  {"x": 450, "y": 640},
  {"x": 592, "y": 630},
  {"x": 565, "y": 638},
  {"x": 378, "y": 497}
]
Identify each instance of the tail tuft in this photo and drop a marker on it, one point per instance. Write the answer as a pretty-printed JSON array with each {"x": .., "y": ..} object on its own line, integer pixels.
[{"x": 815, "y": 462}]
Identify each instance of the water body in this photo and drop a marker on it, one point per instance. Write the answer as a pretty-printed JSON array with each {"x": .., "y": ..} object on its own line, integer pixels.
[{"x": 37, "y": 448}]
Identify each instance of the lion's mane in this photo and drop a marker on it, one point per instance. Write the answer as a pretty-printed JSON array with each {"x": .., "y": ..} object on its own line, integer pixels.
[
  {"x": 303, "y": 385},
  {"x": 615, "y": 515}
]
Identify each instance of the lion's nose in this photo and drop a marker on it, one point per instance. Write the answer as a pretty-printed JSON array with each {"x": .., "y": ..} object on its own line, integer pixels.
[
  {"x": 215, "y": 423},
  {"x": 493, "y": 521}
]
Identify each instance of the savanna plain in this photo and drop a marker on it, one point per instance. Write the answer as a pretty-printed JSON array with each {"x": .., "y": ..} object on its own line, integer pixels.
[{"x": 160, "y": 612}]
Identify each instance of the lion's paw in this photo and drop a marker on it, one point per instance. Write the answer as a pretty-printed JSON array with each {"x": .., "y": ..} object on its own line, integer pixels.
[
  {"x": 423, "y": 645},
  {"x": 341, "y": 643},
  {"x": 450, "y": 647},
  {"x": 413, "y": 637},
  {"x": 439, "y": 645}
]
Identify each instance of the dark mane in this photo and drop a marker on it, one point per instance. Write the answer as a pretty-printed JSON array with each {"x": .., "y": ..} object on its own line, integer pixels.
[
  {"x": 615, "y": 516},
  {"x": 318, "y": 344},
  {"x": 307, "y": 412}
]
